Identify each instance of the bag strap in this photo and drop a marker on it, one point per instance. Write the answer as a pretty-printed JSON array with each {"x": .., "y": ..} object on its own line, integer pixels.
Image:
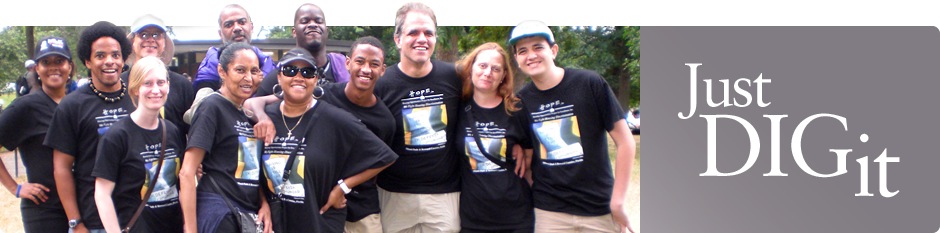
[
  {"x": 476, "y": 137},
  {"x": 227, "y": 202},
  {"x": 143, "y": 202},
  {"x": 292, "y": 156}
]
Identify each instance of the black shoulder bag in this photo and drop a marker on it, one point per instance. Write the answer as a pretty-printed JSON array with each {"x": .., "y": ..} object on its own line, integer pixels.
[{"x": 143, "y": 202}]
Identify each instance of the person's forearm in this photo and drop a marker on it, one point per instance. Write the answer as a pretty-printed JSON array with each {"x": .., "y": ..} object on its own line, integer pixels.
[
  {"x": 103, "y": 190},
  {"x": 65, "y": 183},
  {"x": 364, "y": 176},
  {"x": 187, "y": 178},
  {"x": 7, "y": 180},
  {"x": 256, "y": 106}
]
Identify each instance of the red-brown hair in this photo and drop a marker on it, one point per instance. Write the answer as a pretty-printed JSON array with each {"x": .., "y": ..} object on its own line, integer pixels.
[{"x": 505, "y": 88}]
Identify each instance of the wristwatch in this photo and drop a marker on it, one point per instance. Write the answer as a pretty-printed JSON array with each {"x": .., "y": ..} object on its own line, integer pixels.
[
  {"x": 342, "y": 185},
  {"x": 74, "y": 223}
]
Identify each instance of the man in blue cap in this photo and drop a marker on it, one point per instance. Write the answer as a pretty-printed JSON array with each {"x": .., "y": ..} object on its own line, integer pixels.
[{"x": 570, "y": 110}]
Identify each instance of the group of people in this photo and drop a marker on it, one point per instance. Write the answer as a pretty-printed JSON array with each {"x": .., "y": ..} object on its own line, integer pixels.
[{"x": 317, "y": 141}]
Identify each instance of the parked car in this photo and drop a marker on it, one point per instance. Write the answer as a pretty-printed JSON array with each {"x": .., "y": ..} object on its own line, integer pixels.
[{"x": 633, "y": 120}]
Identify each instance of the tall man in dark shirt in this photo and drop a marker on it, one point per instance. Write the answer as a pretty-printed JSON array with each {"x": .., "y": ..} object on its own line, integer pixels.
[{"x": 83, "y": 116}]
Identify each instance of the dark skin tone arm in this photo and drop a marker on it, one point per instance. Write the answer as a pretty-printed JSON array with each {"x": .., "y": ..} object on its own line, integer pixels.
[{"x": 65, "y": 184}]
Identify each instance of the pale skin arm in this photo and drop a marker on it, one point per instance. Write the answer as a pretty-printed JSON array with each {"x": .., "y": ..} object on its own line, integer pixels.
[
  {"x": 32, "y": 191},
  {"x": 103, "y": 190},
  {"x": 65, "y": 184},
  {"x": 338, "y": 198},
  {"x": 264, "y": 129},
  {"x": 187, "y": 178},
  {"x": 626, "y": 150}
]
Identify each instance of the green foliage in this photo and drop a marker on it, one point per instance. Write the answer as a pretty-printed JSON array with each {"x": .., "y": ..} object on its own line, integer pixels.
[
  {"x": 279, "y": 32},
  {"x": 613, "y": 52},
  {"x": 13, "y": 51}
]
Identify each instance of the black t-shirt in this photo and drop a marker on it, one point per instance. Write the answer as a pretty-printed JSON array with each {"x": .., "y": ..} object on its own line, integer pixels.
[
  {"x": 334, "y": 146},
  {"x": 79, "y": 121},
  {"x": 365, "y": 200},
  {"x": 128, "y": 156},
  {"x": 425, "y": 111},
  {"x": 24, "y": 124},
  {"x": 178, "y": 100},
  {"x": 570, "y": 121},
  {"x": 492, "y": 197},
  {"x": 269, "y": 84},
  {"x": 231, "y": 158}
]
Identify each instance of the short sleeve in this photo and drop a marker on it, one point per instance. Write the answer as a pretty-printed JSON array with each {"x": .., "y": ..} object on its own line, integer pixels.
[
  {"x": 609, "y": 109},
  {"x": 62, "y": 130},
  {"x": 367, "y": 150},
  {"x": 519, "y": 130},
  {"x": 13, "y": 119},
  {"x": 205, "y": 122},
  {"x": 112, "y": 148}
]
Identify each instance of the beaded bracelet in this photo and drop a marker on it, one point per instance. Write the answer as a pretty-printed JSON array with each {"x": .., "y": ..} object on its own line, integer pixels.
[{"x": 18, "y": 187}]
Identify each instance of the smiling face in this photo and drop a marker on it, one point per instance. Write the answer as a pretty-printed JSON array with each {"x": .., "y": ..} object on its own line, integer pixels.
[
  {"x": 488, "y": 72},
  {"x": 54, "y": 71},
  {"x": 242, "y": 77},
  {"x": 534, "y": 56},
  {"x": 417, "y": 38},
  {"x": 105, "y": 64},
  {"x": 365, "y": 65},
  {"x": 310, "y": 28},
  {"x": 145, "y": 44},
  {"x": 234, "y": 25},
  {"x": 153, "y": 90},
  {"x": 297, "y": 89}
]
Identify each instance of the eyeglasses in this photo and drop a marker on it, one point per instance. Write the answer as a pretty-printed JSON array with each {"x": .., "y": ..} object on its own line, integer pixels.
[
  {"x": 306, "y": 72},
  {"x": 155, "y": 36}
]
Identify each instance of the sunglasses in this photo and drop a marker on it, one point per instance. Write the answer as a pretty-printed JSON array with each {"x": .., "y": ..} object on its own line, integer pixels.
[{"x": 306, "y": 72}]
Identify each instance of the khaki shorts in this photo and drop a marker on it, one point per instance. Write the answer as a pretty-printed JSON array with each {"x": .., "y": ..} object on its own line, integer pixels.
[
  {"x": 408, "y": 212},
  {"x": 548, "y": 221},
  {"x": 369, "y": 224}
]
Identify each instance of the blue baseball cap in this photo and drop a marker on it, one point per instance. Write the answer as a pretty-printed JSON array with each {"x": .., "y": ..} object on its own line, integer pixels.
[{"x": 52, "y": 46}]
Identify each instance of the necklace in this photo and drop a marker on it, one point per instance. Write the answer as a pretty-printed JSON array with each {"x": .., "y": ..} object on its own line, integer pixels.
[
  {"x": 290, "y": 130},
  {"x": 109, "y": 99}
]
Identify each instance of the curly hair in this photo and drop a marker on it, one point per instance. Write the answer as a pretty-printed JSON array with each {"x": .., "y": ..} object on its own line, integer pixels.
[{"x": 99, "y": 30}]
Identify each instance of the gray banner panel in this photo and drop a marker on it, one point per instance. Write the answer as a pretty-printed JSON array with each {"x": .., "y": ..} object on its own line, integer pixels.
[{"x": 882, "y": 80}]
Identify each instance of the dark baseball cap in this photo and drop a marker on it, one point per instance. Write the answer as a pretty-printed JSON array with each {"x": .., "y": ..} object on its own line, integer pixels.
[
  {"x": 297, "y": 54},
  {"x": 52, "y": 46}
]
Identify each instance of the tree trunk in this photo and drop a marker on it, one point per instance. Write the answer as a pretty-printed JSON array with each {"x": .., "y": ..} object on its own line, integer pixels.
[
  {"x": 621, "y": 72},
  {"x": 30, "y": 41}
]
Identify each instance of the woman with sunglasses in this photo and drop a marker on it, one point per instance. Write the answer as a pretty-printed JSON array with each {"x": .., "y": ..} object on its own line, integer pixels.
[
  {"x": 494, "y": 198},
  {"x": 24, "y": 124},
  {"x": 318, "y": 154},
  {"x": 222, "y": 140},
  {"x": 129, "y": 154}
]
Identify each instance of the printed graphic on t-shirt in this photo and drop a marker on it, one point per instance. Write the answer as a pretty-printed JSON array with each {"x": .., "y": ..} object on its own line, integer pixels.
[
  {"x": 480, "y": 163},
  {"x": 275, "y": 157},
  {"x": 493, "y": 139},
  {"x": 108, "y": 117},
  {"x": 425, "y": 120},
  {"x": 165, "y": 187},
  {"x": 248, "y": 168},
  {"x": 556, "y": 128}
]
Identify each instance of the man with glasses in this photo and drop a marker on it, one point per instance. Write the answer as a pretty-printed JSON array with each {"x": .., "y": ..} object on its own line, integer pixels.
[{"x": 148, "y": 37}]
